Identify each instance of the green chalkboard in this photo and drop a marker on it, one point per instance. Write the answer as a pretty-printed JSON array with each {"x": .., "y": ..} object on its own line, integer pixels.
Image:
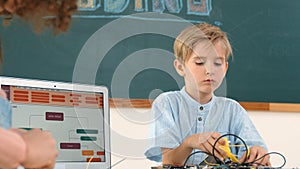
[{"x": 129, "y": 51}]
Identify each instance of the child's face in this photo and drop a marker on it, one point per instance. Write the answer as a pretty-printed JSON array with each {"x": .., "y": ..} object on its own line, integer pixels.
[{"x": 204, "y": 71}]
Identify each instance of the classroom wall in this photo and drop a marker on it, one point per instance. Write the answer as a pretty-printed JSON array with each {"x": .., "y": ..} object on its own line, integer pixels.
[
  {"x": 130, "y": 51},
  {"x": 280, "y": 130}
]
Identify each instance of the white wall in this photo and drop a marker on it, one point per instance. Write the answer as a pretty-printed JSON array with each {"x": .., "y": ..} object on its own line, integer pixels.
[
  {"x": 281, "y": 132},
  {"x": 129, "y": 135},
  {"x": 129, "y": 128}
]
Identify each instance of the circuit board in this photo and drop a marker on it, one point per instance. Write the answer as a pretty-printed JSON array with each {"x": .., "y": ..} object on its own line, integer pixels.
[{"x": 211, "y": 167}]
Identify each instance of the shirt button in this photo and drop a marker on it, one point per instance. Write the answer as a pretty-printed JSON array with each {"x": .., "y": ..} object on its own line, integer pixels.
[
  {"x": 199, "y": 118},
  {"x": 201, "y": 108}
]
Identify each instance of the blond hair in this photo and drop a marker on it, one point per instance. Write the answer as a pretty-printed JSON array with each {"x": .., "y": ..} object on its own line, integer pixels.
[{"x": 189, "y": 37}]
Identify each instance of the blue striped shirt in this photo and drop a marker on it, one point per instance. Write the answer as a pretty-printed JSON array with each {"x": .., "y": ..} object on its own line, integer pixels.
[{"x": 176, "y": 115}]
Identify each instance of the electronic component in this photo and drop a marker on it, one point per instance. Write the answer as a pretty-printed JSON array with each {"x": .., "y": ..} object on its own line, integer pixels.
[{"x": 229, "y": 163}]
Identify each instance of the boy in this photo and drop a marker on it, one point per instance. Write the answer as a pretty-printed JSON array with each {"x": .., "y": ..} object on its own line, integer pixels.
[{"x": 194, "y": 118}]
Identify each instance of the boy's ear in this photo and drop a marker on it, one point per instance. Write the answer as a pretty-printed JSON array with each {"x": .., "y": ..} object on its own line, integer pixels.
[
  {"x": 179, "y": 67},
  {"x": 226, "y": 66}
]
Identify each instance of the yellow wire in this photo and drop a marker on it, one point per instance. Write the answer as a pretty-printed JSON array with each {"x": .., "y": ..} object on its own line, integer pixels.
[
  {"x": 211, "y": 164},
  {"x": 236, "y": 145},
  {"x": 231, "y": 145},
  {"x": 87, "y": 166}
]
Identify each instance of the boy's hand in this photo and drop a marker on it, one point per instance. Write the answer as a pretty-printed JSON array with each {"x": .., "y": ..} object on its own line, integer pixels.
[
  {"x": 206, "y": 141},
  {"x": 257, "y": 152}
]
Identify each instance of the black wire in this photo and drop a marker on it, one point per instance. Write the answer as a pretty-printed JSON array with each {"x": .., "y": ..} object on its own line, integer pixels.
[
  {"x": 229, "y": 134},
  {"x": 196, "y": 152},
  {"x": 253, "y": 162},
  {"x": 244, "y": 162}
]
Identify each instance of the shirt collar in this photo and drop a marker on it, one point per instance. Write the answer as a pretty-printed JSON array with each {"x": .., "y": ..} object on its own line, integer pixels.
[{"x": 194, "y": 102}]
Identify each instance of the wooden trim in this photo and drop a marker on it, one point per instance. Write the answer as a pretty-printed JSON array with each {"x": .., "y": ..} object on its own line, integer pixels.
[
  {"x": 285, "y": 107},
  {"x": 255, "y": 106},
  {"x": 129, "y": 103},
  {"x": 249, "y": 106}
]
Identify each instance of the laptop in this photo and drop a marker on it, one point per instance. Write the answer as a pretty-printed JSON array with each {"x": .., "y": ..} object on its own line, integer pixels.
[{"x": 77, "y": 116}]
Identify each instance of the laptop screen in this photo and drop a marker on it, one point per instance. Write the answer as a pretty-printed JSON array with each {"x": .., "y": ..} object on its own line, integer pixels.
[{"x": 76, "y": 115}]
